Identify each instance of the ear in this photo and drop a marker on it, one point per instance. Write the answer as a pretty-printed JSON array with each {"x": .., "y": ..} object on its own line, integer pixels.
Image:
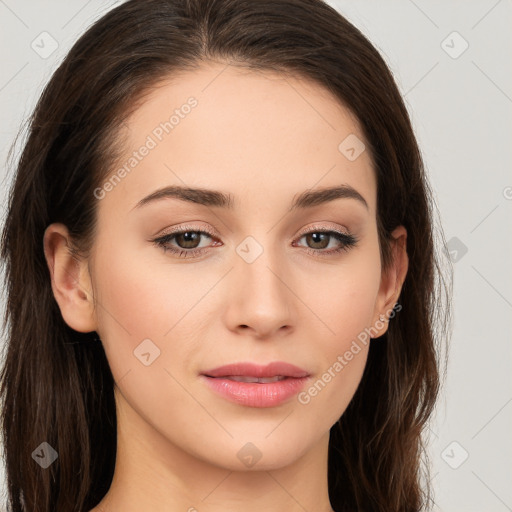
[
  {"x": 391, "y": 282},
  {"x": 70, "y": 279}
]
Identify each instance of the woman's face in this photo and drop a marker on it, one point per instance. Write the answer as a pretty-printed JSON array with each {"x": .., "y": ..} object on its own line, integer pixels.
[{"x": 253, "y": 288}]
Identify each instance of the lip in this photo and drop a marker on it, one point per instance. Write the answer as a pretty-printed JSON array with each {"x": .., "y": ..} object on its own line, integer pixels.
[
  {"x": 253, "y": 394},
  {"x": 254, "y": 370}
]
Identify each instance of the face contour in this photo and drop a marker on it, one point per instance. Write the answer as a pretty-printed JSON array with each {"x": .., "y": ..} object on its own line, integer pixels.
[{"x": 256, "y": 281}]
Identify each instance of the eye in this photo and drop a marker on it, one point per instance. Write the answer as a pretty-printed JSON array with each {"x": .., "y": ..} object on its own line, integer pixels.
[
  {"x": 188, "y": 241},
  {"x": 321, "y": 238}
]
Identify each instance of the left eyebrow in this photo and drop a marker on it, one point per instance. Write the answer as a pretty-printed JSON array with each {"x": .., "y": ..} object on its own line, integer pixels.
[
  {"x": 215, "y": 198},
  {"x": 311, "y": 198}
]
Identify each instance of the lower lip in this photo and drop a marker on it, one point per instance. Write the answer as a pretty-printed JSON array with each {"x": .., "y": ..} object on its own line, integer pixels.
[{"x": 253, "y": 394}]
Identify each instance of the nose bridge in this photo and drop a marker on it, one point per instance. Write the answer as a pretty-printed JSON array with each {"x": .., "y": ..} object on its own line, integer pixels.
[
  {"x": 260, "y": 262},
  {"x": 261, "y": 298}
]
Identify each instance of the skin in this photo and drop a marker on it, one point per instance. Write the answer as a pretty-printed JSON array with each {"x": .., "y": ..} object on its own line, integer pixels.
[{"x": 264, "y": 138}]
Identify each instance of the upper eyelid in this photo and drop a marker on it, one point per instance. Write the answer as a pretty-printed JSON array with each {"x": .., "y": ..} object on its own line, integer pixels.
[
  {"x": 182, "y": 228},
  {"x": 213, "y": 232}
]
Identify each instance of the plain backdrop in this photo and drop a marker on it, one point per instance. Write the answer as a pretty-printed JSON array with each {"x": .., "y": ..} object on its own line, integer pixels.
[{"x": 451, "y": 60}]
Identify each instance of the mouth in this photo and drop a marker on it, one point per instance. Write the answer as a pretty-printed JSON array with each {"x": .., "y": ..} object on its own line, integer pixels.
[
  {"x": 256, "y": 386},
  {"x": 247, "y": 378},
  {"x": 277, "y": 370}
]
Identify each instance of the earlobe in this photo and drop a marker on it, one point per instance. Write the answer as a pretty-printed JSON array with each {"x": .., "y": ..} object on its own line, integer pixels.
[
  {"x": 391, "y": 281},
  {"x": 70, "y": 279}
]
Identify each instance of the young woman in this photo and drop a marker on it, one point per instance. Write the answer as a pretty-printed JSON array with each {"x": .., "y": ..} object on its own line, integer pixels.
[{"x": 223, "y": 289}]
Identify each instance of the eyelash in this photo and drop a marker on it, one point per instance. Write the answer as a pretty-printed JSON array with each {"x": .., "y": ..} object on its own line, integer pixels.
[{"x": 348, "y": 241}]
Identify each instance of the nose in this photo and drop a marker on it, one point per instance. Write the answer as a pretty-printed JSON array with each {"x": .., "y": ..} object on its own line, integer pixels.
[{"x": 261, "y": 299}]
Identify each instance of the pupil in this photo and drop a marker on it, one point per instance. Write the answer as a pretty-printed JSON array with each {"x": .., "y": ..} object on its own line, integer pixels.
[
  {"x": 189, "y": 237},
  {"x": 317, "y": 238}
]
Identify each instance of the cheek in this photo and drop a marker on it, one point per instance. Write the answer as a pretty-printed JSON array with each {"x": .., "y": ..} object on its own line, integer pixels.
[
  {"x": 345, "y": 305},
  {"x": 341, "y": 355},
  {"x": 141, "y": 288},
  {"x": 145, "y": 305},
  {"x": 343, "y": 297}
]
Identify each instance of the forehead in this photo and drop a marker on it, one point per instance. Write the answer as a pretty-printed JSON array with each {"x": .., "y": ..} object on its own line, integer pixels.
[{"x": 250, "y": 133}]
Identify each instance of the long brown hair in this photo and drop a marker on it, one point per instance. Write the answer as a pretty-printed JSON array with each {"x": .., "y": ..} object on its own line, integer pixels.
[{"x": 56, "y": 384}]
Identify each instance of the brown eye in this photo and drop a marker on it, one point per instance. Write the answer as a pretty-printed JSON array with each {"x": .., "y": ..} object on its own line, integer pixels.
[
  {"x": 188, "y": 239},
  {"x": 184, "y": 243},
  {"x": 319, "y": 240}
]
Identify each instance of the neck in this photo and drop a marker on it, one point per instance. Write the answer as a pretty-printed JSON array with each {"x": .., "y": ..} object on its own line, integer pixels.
[{"x": 152, "y": 473}]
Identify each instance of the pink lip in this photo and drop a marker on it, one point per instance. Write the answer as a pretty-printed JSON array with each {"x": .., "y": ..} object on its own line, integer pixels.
[
  {"x": 254, "y": 394},
  {"x": 254, "y": 370}
]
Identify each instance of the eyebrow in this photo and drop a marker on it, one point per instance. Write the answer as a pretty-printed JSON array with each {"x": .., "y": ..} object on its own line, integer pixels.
[{"x": 215, "y": 198}]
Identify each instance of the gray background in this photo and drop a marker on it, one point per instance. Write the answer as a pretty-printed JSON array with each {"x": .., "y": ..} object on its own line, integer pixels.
[{"x": 460, "y": 101}]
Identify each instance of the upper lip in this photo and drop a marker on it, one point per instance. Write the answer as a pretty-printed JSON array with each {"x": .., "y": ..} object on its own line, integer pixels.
[{"x": 277, "y": 368}]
